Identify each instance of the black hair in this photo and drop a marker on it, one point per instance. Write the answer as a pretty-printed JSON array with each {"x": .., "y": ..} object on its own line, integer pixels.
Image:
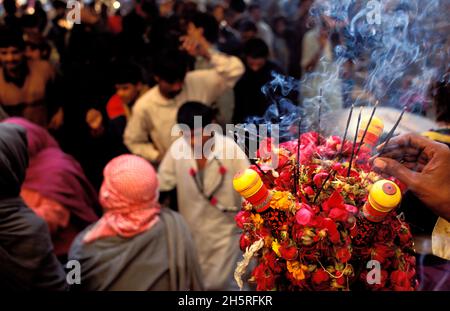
[
  {"x": 253, "y": 6},
  {"x": 208, "y": 23},
  {"x": 247, "y": 25},
  {"x": 256, "y": 48},
  {"x": 171, "y": 66},
  {"x": 440, "y": 92},
  {"x": 58, "y": 4},
  {"x": 238, "y": 5},
  {"x": 10, "y": 37},
  {"x": 10, "y": 6},
  {"x": 192, "y": 109},
  {"x": 29, "y": 21},
  {"x": 127, "y": 72}
]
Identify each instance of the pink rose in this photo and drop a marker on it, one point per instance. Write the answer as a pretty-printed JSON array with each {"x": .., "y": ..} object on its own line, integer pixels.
[{"x": 304, "y": 215}]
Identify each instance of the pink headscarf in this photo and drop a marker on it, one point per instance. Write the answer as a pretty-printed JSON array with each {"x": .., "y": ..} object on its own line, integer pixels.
[{"x": 129, "y": 196}]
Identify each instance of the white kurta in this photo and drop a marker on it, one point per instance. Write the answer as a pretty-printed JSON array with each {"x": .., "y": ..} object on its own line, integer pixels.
[
  {"x": 149, "y": 130},
  {"x": 214, "y": 231}
]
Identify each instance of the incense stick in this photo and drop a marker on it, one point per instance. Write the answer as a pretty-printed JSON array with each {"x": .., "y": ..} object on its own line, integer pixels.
[
  {"x": 366, "y": 129},
  {"x": 297, "y": 166},
  {"x": 345, "y": 132},
  {"x": 332, "y": 173},
  {"x": 319, "y": 117},
  {"x": 391, "y": 133},
  {"x": 354, "y": 143}
]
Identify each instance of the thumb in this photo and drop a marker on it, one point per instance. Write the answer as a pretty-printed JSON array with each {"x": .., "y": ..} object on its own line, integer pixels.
[{"x": 395, "y": 169}]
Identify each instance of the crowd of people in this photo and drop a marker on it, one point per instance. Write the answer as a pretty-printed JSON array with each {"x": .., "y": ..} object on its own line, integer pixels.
[{"x": 88, "y": 110}]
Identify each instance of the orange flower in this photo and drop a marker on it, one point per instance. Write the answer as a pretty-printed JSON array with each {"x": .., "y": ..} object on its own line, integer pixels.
[
  {"x": 282, "y": 200},
  {"x": 296, "y": 269},
  {"x": 257, "y": 220}
]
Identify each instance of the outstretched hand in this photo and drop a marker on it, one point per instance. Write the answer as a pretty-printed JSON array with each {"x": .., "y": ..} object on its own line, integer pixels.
[{"x": 422, "y": 165}]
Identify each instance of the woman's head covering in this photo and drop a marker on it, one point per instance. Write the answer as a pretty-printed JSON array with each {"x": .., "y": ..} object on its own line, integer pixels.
[
  {"x": 13, "y": 159},
  {"x": 38, "y": 137},
  {"x": 57, "y": 175},
  {"x": 129, "y": 196}
]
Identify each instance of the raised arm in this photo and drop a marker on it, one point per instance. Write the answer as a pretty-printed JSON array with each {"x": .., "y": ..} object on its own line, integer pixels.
[{"x": 137, "y": 136}]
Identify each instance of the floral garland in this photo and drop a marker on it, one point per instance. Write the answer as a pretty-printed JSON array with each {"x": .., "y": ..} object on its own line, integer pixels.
[
  {"x": 211, "y": 198},
  {"x": 318, "y": 238}
]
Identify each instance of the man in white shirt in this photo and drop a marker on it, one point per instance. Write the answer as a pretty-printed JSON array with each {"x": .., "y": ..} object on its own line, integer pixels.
[
  {"x": 148, "y": 132},
  {"x": 206, "y": 198}
]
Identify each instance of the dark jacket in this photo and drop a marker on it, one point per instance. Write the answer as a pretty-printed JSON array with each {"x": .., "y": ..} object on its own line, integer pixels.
[{"x": 27, "y": 261}]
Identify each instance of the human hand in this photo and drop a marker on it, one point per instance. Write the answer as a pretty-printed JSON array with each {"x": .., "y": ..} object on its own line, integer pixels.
[
  {"x": 196, "y": 45},
  {"x": 94, "y": 120},
  {"x": 57, "y": 120},
  {"x": 422, "y": 165}
]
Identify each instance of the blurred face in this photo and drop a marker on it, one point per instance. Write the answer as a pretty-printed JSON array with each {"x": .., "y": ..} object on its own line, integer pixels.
[
  {"x": 219, "y": 13},
  {"x": 198, "y": 136},
  {"x": 11, "y": 57},
  {"x": 255, "y": 64},
  {"x": 128, "y": 92},
  {"x": 247, "y": 35},
  {"x": 32, "y": 52},
  {"x": 194, "y": 31},
  {"x": 170, "y": 90},
  {"x": 256, "y": 14},
  {"x": 280, "y": 27},
  {"x": 166, "y": 7}
]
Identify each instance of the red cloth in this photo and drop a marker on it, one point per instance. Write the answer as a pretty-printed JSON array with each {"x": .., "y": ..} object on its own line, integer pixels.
[
  {"x": 129, "y": 196},
  {"x": 60, "y": 178},
  {"x": 115, "y": 108},
  {"x": 115, "y": 24}
]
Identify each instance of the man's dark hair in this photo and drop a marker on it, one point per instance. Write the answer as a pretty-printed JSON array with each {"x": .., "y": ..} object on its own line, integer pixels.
[
  {"x": 238, "y": 5},
  {"x": 247, "y": 25},
  {"x": 29, "y": 21},
  {"x": 127, "y": 72},
  {"x": 440, "y": 92},
  {"x": 254, "y": 6},
  {"x": 256, "y": 48},
  {"x": 10, "y": 37},
  {"x": 10, "y": 6},
  {"x": 209, "y": 25},
  {"x": 58, "y": 4},
  {"x": 191, "y": 109},
  {"x": 171, "y": 66}
]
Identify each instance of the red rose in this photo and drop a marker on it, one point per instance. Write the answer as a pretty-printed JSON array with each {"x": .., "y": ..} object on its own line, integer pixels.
[
  {"x": 335, "y": 200},
  {"x": 338, "y": 214},
  {"x": 319, "y": 178},
  {"x": 382, "y": 252},
  {"x": 242, "y": 218},
  {"x": 284, "y": 181},
  {"x": 288, "y": 252},
  {"x": 272, "y": 262},
  {"x": 343, "y": 254},
  {"x": 405, "y": 236},
  {"x": 400, "y": 280},
  {"x": 309, "y": 190},
  {"x": 320, "y": 276},
  {"x": 333, "y": 233},
  {"x": 245, "y": 241},
  {"x": 265, "y": 280}
]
